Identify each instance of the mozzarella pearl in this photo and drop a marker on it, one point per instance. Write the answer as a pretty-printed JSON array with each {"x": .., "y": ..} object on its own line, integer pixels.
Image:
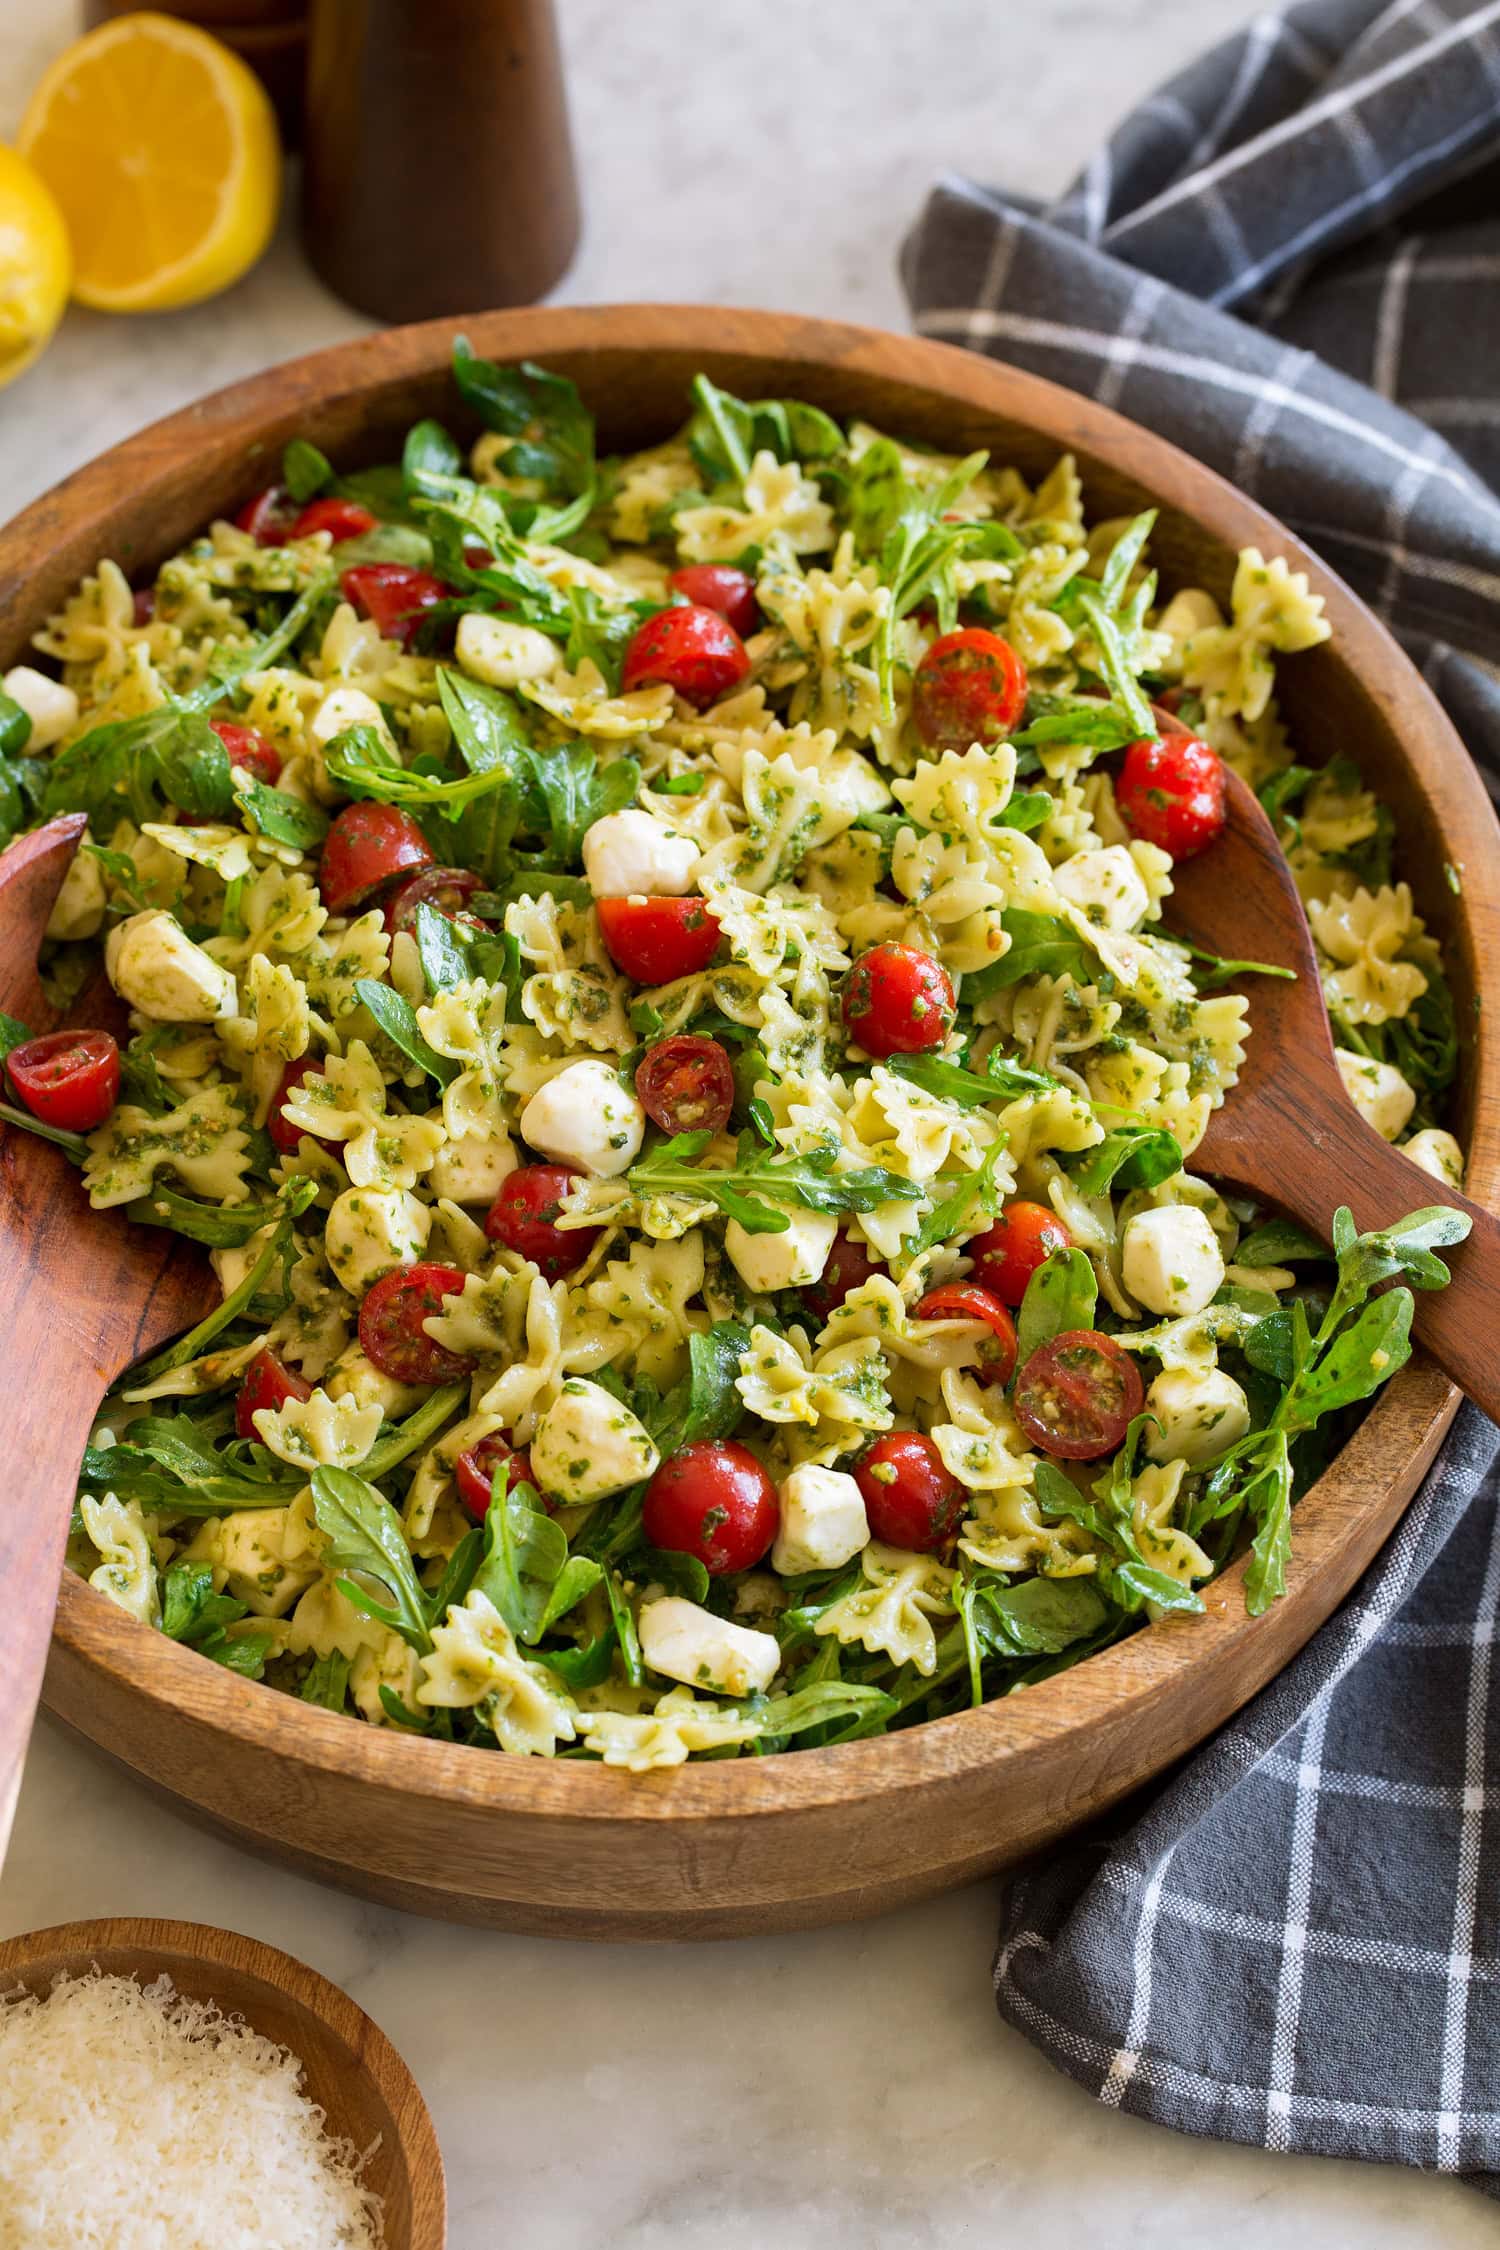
[
  {"x": 51, "y": 707},
  {"x": 632, "y": 855},
  {"x": 1202, "y": 1412},
  {"x": 156, "y": 969},
  {"x": 793, "y": 1260},
  {"x": 503, "y": 655},
  {"x": 823, "y": 1521},
  {"x": 343, "y": 708},
  {"x": 1378, "y": 1091},
  {"x": 371, "y": 1231},
  {"x": 354, "y": 1376},
  {"x": 1106, "y": 885},
  {"x": 1171, "y": 1260},
  {"x": 692, "y": 1645},
  {"x": 584, "y": 1117},
  {"x": 78, "y": 910},
  {"x": 473, "y": 1169},
  {"x": 1438, "y": 1153},
  {"x": 587, "y": 1445}
]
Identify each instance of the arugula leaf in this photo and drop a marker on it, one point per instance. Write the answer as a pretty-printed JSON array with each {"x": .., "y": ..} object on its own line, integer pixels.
[
  {"x": 1125, "y": 1575},
  {"x": 74, "y": 1143},
  {"x": 1132, "y": 1156},
  {"x": 956, "y": 1210},
  {"x": 428, "y": 456},
  {"x": 23, "y": 783},
  {"x": 553, "y": 429},
  {"x": 327, "y": 1682},
  {"x": 1038, "y": 1617},
  {"x": 13, "y": 1034},
  {"x": 421, "y": 1425},
  {"x": 305, "y": 471},
  {"x": 999, "y": 1081},
  {"x": 293, "y": 1201},
  {"x": 1061, "y": 1295},
  {"x": 525, "y": 1555},
  {"x": 576, "y": 791},
  {"x": 364, "y": 1539},
  {"x": 760, "y": 1182},
  {"x": 705, "y": 1404},
  {"x": 1114, "y": 664},
  {"x": 397, "y": 1018},
  {"x": 284, "y": 819},
  {"x": 1280, "y": 1242},
  {"x": 219, "y": 1226},
  {"x": 169, "y": 1465},
  {"x": 1040, "y": 945},
  {"x": 364, "y": 762},
  {"x": 726, "y": 432},
  {"x": 15, "y": 727},
  {"x": 451, "y": 954},
  {"x": 821, "y": 1703},
  {"x": 1081, "y": 720}
]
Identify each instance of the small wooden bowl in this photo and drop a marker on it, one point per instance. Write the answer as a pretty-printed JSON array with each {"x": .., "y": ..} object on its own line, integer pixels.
[
  {"x": 569, "y": 1848},
  {"x": 351, "y": 2069}
]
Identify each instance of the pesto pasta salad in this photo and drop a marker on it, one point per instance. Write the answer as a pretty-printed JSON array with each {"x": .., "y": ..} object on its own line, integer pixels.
[{"x": 650, "y": 979}]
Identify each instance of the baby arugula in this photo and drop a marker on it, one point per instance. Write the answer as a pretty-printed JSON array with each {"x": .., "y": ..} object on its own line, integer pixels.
[{"x": 761, "y": 1181}]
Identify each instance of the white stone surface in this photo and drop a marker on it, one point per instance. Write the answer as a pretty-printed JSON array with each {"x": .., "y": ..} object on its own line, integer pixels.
[{"x": 853, "y": 2088}]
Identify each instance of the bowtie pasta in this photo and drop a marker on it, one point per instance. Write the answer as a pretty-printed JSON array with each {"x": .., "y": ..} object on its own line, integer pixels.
[{"x": 650, "y": 977}]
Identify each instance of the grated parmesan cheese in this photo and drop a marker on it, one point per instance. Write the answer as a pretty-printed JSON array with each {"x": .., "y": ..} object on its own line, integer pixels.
[{"x": 134, "y": 2118}]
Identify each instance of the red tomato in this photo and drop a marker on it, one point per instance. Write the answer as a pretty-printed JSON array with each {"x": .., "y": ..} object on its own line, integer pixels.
[
  {"x": 143, "y": 605},
  {"x": 715, "y": 1501},
  {"x": 267, "y": 1383},
  {"x": 898, "y": 1001},
  {"x": 695, "y": 650},
  {"x": 391, "y": 1334},
  {"x": 1021, "y": 1239},
  {"x": 1076, "y": 1396},
  {"x": 341, "y": 519},
  {"x": 686, "y": 1085},
  {"x": 269, "y": 516},
  {"x": 721, "y": 587},
  {"x": 524, "y": 1218},
  {"x": 366, "y": 845},
  {"x": 911, "y": 1499},
  {"x": 446, "y": 888},
  {"x": 960, "y": 1300},
  {"x": 394, "y": 595},
  {"x": 70, "y": 1079},
  {"x": 1171, "y": 793},
  {"x": 249, "y": 749},
  {"x": 656, "y": 939},
  {"x": 475, "y": 1472},
  {"x": 284, "y": 1135},
  {"x": 848, "y": 1268},
  {"x": 970, "y": 687}
]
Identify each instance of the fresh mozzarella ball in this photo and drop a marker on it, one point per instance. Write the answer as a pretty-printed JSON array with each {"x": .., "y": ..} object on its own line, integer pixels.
[
  {"x": 354, "y": 1376},
  {"x": 260, "y": 1555},
  {"x": 768, "y": 1262},
  {"x": 691, "y": 1644},
  {"x": 51, "y": 707},
  {"x": 823, "y": 1521},
  {"x": 1171, "y": 1259},
  {"x": 1107, "y": 885},
  {"x": 156, "y": 968},
  {"x": 79, "y": 907},
  {"x": 1201, "y": 1411},
  {"x": 232, "y": 1263},
  {"x": 472, "y": 1170},
  {"x": 588, "y": 1445},
  {"x": 584, "y": 1117},
  {"x": 1378, "y": 1091},
  {"x": 1436, "y": 1151},
  {"x": 371, "y": 1231},
  {"x": 503, "y": 655},
  {"x": 633, "y": 855},
  {"x": 342, "y": 708}
]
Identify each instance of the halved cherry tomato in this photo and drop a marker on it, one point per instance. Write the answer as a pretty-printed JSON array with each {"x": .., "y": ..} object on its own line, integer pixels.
[
  {"x": 394, "y": 595},
  {"x": 366, "y": 845},
  {"x": 898, "y": 1001},
  {"x": 848, "y": 1267},
  {"x": 249, "y": 749},
  {"x": 1171, "y": 793},
  {"x": 70, "y": 1079},
  {"x": 961, "y": 1300},
  {"x": 284, "y": 1134},
  {"x": 1021, "y": 1239},
  {"x": 269, "y": 516},
  {"x": 686, "y": 1085},
  {"x": 720, "y": 586},
  {"x": 1077, "y": 1394},
  {"x": 656, "y": 939},
  {"x": 391, "y": 1334},
  {"x": 474, "y": 1473},
  {"x": 524, "y": 1218},
  {"x": 341, "y": 519},
  {"x": 695, "y": 650},
  {"x": 969, "y": 687},
  {"x": 446, "y": 888},
  {"x": 143, "y": 605},
  {"x": 267, "y": 1383},
  {"x": 911, "y": 1498},
  {"x": 715, "y": 1501}
]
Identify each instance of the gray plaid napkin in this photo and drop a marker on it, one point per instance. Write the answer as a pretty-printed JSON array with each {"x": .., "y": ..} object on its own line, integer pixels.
[{"x": 1288, "y": 261}]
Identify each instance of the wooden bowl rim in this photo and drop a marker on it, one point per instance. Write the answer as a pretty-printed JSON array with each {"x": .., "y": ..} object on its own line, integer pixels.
[
  {"x": 1407, "y": 1421},
  {"x": 253, "y": 1961}
]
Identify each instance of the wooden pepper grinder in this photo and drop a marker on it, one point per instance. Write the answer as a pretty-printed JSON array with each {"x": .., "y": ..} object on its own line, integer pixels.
[{"x": 439, "y": 168}]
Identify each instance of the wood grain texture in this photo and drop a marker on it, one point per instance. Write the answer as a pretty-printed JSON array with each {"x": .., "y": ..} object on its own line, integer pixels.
[
  {"x": 351, "y": 2069},
  {"x": 1288, "y": 1131},
  {"x": 713, "y": 1850}
]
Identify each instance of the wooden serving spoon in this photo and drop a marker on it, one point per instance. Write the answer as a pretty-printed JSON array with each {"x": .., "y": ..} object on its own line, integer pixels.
[
  {"x": 84, "y": 1294},
  {"x": 1288, "y": 1131}
]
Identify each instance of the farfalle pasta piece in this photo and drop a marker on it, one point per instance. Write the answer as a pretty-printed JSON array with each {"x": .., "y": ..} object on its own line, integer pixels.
[
  {"x": 581, "y": 701},
  {"x": 843, "y": 1385},
  {"x": 1273, "y": 610},
  {"x": 1008, "y": 1531},
  {"x": 831, "y": 619},
  {"x": 467, "y": 1024},
  {"x": 575, "y": 995},
  {"x": 1363, "y": 936},
  {"x": 273, "y": 1028},
  {"x": 643, "y": 1300},
  {"x": 891, "y": 1613},
  {"x": 331, "y": 1433},
  {"x": 126, "y": 1569},
  {"x": 202, "y": 1141},
  {"x": 1154, "y": 1497},
  {"x": 346, "y": 1101},
  {"x": 781, "y": 503},
  {"x": 475, "y": 1663},
  {"x": 980, "y": 1440},
  {"x": 680, "y": 1724}
]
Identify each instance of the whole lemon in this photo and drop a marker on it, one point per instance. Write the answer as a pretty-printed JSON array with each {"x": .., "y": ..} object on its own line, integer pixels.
[{"x": 36, "y": 264}]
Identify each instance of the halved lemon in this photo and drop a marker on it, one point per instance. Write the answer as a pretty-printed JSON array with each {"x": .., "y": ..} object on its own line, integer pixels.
[
  {"x": 34, "y": 264},
  {"x": 160, "y": 146}
]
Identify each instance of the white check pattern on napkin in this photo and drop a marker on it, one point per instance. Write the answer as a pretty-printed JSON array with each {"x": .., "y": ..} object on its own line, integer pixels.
[{"x": 1288, "y": 262}]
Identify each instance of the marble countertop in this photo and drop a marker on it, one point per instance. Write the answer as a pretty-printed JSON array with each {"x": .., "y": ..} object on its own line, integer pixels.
[{"x": 851, "y": 2086}]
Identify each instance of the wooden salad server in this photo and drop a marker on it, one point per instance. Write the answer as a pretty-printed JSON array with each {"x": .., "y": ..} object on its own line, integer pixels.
[
  {"x": 1288, "y": 1131},
  {"x": 83, "y": 1293}
]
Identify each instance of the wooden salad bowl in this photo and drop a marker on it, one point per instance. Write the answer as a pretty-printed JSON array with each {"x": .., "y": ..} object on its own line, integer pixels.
[{"x": 720, "y": 1849}]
